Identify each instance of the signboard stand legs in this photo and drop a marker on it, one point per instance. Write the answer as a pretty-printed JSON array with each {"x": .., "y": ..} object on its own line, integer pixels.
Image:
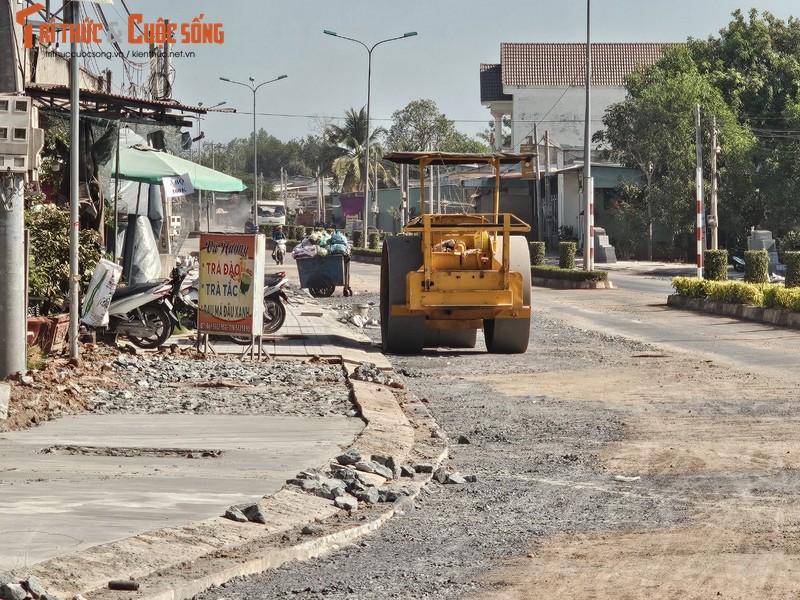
[
  {"x": 256, "y": 341},
  {"x": 203, "y": 340}
]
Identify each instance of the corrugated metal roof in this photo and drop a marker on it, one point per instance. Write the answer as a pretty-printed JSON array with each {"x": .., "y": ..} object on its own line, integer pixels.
[
  {"x": 559, "y": 65},
  {"x": 491, "y": 84},
  {"x": 94, "y": 95},
  {"x": 455, "y": 158}
]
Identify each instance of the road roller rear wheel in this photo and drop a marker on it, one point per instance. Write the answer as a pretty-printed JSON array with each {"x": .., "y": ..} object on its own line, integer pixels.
[
  {"x": 399, "y": 334},
  {"x": 510, "y": 336}
]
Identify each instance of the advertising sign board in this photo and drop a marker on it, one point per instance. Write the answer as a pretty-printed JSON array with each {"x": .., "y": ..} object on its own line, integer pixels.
[
  {"x": 231, "y": 284},
  {"x": 179, "y": 185}
]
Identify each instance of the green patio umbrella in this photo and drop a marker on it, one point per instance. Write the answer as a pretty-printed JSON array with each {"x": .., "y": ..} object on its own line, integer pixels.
[{"x": 148, "y": 165}]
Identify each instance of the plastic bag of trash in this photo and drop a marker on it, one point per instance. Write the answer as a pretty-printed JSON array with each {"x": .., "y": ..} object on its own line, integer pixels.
[
  {"x": 98, "y": 294},
  {"x": 338, "y": 238}
]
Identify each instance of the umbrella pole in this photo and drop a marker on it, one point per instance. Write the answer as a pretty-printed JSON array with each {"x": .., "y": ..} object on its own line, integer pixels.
[{"x": 116, "y": 194}]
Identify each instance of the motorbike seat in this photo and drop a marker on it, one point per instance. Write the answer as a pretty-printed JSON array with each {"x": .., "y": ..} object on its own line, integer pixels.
[{"x": 130, "y": 290}]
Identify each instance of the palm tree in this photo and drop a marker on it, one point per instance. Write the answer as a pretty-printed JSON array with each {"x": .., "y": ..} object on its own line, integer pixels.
[{"x": 349, "y": 139}]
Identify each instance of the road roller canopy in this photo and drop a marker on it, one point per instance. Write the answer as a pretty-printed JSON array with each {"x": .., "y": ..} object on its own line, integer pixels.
[
  {"x": 425, "y": 159},
  {"x": 453, "y": 158}
]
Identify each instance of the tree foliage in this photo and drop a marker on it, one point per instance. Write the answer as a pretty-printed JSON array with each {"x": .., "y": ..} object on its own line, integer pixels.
[
  {"x": 420, "y": 126},
  {"x": 749, "y": 79},
  {"x": 349, "y": 138},
  {"x": 48, "y": 276}
]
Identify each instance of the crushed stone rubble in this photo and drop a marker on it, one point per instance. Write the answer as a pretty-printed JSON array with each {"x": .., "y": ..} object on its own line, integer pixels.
[
  {"x": 224, "y": 386},
  {"x": 354, "y": 477},
  {"x": 12, "y": 588},
  {"x": 367, "y": 371},
  {"x": 345, "y": 314}
]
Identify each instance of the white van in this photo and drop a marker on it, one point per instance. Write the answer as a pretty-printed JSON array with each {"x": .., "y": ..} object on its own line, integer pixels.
[{"x": 271, "y": 212}]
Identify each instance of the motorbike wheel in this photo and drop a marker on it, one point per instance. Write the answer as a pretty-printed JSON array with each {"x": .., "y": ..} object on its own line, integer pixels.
[
  {"x": 158, "y": 318},
  {"x": 279, "y": 255},
  {"x": 274, "y": 316}
]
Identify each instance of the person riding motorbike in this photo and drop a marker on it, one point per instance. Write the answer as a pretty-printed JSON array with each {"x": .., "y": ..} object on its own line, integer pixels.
[
  {"x": 277, "y": 235},
  {"x": 250, "y": 225}
]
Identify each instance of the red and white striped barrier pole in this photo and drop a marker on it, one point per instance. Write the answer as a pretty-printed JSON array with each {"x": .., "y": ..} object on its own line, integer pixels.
[
  {"x": 699, "y": 190},
  {"x": 698, "y": 184}
]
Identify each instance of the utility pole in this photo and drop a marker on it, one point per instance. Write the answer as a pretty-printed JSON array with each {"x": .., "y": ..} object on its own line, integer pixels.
[
  {"x": 439, "y": 189},
  {"x": 537, "y": 200},
  {"x": 404, "y": 193},
  {"x": 588, "y": 181},
  {"x": 12, "y": 271},
  {"x": 198, "y": 224},
  {"x": 213, "y": 214},
  {"x": 74, "y": 174},
  {"x": 713, "y": 219},
  {"x": 13, "y": 327},
  {"x": 430, "y": 188},
  {"x": 547, "y": 170}
]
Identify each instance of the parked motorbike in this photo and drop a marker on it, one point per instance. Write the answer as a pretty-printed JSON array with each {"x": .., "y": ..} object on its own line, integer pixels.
[
  {"x": 144, "y": 312},
  {"x": 738, "y": 263},
  {"x": 274, "y": 308},
  {"x": 274, "y": 305}
]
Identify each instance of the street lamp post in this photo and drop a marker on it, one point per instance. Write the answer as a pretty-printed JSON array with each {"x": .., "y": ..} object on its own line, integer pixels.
[
  {"x": 369, "y": 84},
  {"x": 254, "y": 88}
]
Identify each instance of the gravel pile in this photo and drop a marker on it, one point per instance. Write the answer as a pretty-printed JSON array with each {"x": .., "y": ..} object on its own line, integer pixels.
[{"x": 156, "y": 383}]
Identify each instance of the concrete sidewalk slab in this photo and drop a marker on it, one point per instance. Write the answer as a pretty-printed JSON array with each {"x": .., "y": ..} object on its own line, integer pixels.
[{"x": 93, "y": 479}]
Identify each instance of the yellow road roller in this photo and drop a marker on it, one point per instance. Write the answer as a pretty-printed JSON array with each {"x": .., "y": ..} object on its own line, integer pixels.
[{"x": 449, "y": 275}]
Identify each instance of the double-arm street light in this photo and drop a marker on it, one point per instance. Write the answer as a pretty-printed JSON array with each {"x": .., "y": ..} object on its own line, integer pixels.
[
  {"x": 254, "y": 88},
  {"x": 366, "y": 145}
]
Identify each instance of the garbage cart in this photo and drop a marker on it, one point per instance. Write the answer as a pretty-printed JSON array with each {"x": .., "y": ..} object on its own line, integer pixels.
[{"x": 321, "y": 274}]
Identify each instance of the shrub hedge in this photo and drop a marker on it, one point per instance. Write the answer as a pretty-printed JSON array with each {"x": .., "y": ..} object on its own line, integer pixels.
[
  {"x": 756, "y": 266},
  {"x": 376, "y": 252},
  {"x": 566, "y": 254},
  {"x": 716, "y": 265},
  {"x": 791, "y": 258},
  {"x": 537, "y": 253},
  {"x": 552, "y": 272},
  {"x": 762, "y": 295}
]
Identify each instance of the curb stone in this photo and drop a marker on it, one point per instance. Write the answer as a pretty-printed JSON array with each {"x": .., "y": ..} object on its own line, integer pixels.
[
  {"x": 769, "y": 316},
  {"x": 568, "y": 284}
]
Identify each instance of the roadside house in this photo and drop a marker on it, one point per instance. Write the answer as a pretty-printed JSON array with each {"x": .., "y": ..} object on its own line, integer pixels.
[{"x": 543, "y": 84}]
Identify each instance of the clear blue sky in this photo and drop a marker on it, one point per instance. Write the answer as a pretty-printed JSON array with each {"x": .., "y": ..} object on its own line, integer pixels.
[{"x": 326, "y": 75}]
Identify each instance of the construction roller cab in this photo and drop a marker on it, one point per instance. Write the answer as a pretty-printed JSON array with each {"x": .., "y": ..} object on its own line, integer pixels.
[{"x": 449, "y": 275}]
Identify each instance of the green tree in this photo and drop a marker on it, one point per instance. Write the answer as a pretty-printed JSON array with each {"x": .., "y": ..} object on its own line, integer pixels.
[
  {"x": 755, "y": 63},
  {"x": 487, "y": 135},
  {"x": 48, "y": 276},
  {"x": 420, "y": 126},
  {"x": 653, "y": 130},
  {"x": 348, "y": 138}
]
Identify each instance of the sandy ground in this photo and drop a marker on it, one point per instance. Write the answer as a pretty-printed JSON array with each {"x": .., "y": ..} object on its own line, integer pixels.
[{"x": 728, "y": 444}]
